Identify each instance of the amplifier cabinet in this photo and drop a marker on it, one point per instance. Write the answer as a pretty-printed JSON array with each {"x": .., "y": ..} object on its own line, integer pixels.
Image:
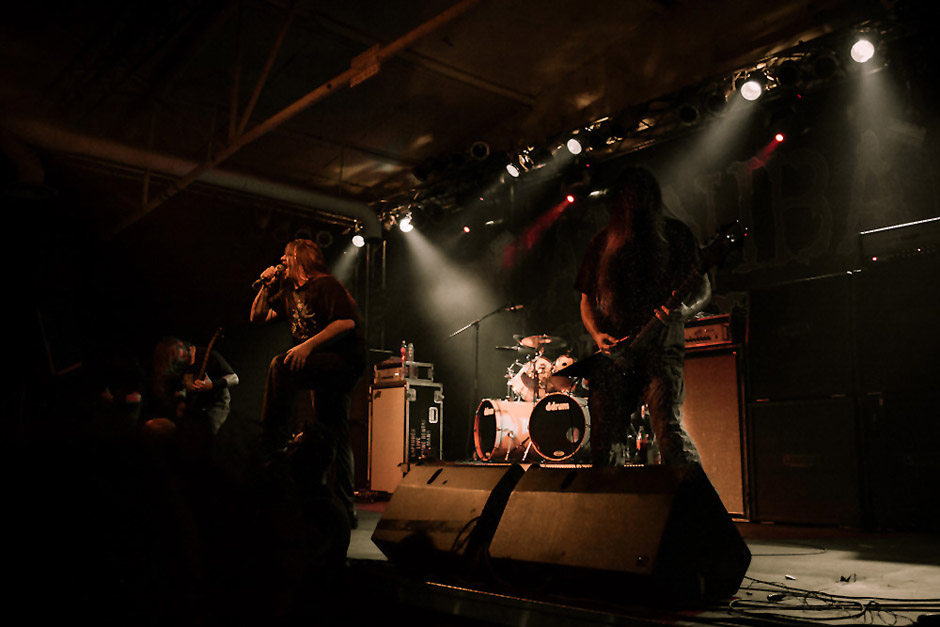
[
  {"x": 806, "y": 467},
  {"x": 406, "y": 424},
  {"x": 713, "y": 416}
]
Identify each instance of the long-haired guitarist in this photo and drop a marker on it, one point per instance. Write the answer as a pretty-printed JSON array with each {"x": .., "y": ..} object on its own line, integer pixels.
[
  {"x": 191, "y": 381},
  {"x": 626, "y": 276}
]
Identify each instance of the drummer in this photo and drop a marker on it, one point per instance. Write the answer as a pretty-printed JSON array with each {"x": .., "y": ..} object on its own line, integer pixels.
[{"x": 536, "y": 379}]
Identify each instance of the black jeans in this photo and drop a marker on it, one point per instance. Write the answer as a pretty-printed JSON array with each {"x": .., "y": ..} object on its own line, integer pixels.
[
  {"x": 656, "y": 381},
  {"x": 331, "y": 377}
]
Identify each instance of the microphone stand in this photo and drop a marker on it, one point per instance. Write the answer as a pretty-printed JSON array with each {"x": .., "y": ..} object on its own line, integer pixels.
[{"x": 476, "y": 350}]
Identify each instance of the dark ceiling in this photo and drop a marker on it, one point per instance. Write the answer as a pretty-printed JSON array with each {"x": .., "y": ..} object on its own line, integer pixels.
[{"x": 357, "y": 110}]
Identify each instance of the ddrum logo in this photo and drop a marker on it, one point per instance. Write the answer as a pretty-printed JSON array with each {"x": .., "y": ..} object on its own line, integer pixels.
[{"x": 553, "y": 406}]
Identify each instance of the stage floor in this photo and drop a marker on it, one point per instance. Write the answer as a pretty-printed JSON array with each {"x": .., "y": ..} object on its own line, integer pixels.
[{"x": 823, "y": 575}]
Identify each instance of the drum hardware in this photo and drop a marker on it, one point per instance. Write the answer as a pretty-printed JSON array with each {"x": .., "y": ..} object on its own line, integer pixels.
[
  {"x": 475, "y": 325},
  {"x": 516, "y": 348},
  {"x": 539, "y": 341},
  {"x": 536, "y": 377}
]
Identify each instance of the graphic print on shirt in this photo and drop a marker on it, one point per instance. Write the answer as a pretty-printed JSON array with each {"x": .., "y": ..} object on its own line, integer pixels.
[{"x": 303, "y": 319}]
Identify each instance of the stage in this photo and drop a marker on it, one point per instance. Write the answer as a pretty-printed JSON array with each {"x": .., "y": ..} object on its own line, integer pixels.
[{"x": 797, "y": 574}]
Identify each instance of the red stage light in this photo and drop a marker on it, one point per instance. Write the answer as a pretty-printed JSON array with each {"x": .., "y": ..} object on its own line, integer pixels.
[
  {"x": 569, "y": 198},
  {"x": 779, "y": 137},
  {"x": 466, "y": 229}
]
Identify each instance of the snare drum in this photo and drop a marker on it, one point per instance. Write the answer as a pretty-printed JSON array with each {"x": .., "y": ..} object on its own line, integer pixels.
[
  {"x": 501, "y": 429},
  {"x": 560, "y": 427}
]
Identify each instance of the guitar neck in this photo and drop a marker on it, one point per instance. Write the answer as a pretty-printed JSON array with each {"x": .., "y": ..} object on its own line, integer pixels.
[
  {"x": 205, "y": 359},
  {"x": 654, "y": 324}
]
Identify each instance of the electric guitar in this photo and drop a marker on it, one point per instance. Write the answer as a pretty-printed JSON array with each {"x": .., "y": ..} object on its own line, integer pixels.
[
  {"x": 189, "y": 378},
  {"x": 623, "y": 350}
]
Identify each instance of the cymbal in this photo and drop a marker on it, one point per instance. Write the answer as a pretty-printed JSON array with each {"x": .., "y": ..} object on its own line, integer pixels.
[{"x": 537, "y": 341}]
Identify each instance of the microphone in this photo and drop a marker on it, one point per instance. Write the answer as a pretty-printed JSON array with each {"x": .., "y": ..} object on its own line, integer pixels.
[
  {"x": 278, "y": 271},
  {"x": 513, "y": 307}
]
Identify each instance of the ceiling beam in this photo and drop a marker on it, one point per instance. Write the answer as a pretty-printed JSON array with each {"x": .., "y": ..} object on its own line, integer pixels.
[{"x": 359, "y": 70}]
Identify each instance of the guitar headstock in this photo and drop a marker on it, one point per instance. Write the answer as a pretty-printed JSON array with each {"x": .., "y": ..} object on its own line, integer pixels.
[{"x": 729, "y": 237}]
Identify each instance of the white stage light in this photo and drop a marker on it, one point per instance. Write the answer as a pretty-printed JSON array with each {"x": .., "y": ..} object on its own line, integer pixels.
[
  {"x": 862, "y": 51},
  {"x": 751, "y": 90}
]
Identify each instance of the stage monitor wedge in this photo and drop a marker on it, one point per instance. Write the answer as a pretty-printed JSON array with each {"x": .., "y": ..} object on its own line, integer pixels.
[
  {"x": 658, "y": 532},
  {"x": 442, "y": 516}
]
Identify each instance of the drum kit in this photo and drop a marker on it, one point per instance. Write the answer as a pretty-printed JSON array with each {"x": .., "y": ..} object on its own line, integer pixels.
[{"x": 542, "y": 416}]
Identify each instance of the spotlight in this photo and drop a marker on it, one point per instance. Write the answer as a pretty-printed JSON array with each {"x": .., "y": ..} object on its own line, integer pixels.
[
  {"x": 787, "y": 73},
  {"x": 862, "y": 51},
  {"x": 513, "y": 170},
  {"x": 574, "y": 146},
  {"x": 324, "y": 239},
  {"x": 570, "y": 198},
  {"x": 480, "y": 151},
  {"x": 825, "y": 65},
  {"x": 358, "y": 241},
  {"x": 405, "y": 224},
  {"x": 715, "y": 102},
  {"x": 779, "y": 138},
  {"x": 466, "y": 229},
  {"x": 752, "y": 88},
  {"x": 688, "y": 114}
]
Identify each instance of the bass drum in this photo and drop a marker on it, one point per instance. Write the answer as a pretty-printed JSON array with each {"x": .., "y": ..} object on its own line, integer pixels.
[
  {"x": 560, "y": 427},
  {"x": 501, "y": 429}
]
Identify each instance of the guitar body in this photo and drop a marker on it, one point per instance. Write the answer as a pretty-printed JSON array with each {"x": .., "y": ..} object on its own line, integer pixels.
[{"x": 624, "y": 352}]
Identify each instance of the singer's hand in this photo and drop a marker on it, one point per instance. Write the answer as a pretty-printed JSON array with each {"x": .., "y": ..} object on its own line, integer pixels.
[
  {"x": 296, "y": 357},
  {"x": 268, "y": 275}
]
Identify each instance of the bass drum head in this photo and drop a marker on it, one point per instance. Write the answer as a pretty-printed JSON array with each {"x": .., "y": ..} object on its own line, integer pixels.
[
  {"x": 560, "y": 426},
  {"x": 501, "y": 429}
]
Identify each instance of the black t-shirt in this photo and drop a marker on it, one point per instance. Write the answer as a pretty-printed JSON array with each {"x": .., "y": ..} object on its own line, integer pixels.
[
  {"x": 642, "y": 281},
  {"x": 311, "y": 307}
]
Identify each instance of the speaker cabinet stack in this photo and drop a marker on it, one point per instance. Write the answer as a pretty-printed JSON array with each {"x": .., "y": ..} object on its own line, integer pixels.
[{"x": 802, "y": 370}]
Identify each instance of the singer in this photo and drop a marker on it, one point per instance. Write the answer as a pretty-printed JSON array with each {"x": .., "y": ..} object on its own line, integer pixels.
[{"x": 328, "y": 355}]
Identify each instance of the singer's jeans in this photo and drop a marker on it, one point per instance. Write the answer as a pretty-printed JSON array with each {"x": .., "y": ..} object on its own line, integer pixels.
[
  {"x": 331, "y": 378},
  {"x": 657, "y": 381}
]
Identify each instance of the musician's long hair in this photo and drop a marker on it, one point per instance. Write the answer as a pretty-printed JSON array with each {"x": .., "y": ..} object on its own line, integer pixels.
[
  {"x": 169, "y": 364},
  {"x": 309, "y": 256},
  {"x": 634, "y": 240}
]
